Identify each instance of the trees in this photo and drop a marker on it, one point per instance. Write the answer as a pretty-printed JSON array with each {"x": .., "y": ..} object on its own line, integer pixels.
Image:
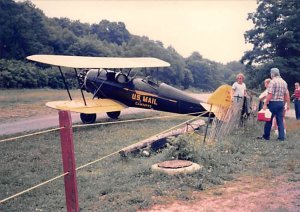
[
  {"x": 22, "y": 30},
  {"x": 25, "y": 30},
  {"x": 275, "y": 38},
  {"x": 20, "y": 74},
  {"x": 114, "y": 32},
  {"x": 207, "y": 75}
]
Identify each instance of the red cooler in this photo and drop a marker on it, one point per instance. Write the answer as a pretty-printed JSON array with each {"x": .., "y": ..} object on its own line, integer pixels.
[{"x": 264, "y": 115}]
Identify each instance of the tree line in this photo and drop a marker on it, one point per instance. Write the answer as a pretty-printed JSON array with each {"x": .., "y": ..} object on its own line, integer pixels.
[
  {"x": 276, "y": 41},
  {"x": 25, "y": 30}
]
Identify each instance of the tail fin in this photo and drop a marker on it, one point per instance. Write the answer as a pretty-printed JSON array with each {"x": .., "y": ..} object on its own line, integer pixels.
[
  {"x": 221, "y": 97},
  {"x": 219, "y": 102}
]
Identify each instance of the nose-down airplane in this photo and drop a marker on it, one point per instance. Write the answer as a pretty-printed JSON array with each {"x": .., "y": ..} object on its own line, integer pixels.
[{"x": 113, "y": 89}]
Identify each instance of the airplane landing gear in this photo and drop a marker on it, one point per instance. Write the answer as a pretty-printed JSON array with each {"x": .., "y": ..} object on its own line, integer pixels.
[
  {"x": 113, "y": 115},
  {"x": 88, "y": 118}
]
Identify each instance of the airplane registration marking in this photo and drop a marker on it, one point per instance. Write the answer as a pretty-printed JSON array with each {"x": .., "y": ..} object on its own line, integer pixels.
[
  {"x": 143, "y": 105},
  {"x": 144, "y": 99}
]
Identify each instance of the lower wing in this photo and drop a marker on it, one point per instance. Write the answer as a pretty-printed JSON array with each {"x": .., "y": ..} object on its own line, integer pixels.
[{"x": 92, "y": 106}]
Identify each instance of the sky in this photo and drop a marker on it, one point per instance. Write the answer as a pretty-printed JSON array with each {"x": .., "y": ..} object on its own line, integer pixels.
[{"x": 214, "y": 28}]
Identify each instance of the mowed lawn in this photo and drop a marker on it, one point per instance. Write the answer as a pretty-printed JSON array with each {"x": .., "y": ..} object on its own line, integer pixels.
[
  {"x": 127, "y": 183},
  {"x": 22, "y": 103}
]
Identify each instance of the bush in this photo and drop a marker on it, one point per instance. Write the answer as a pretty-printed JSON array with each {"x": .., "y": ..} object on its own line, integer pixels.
[{"x": 20, "y": 74}]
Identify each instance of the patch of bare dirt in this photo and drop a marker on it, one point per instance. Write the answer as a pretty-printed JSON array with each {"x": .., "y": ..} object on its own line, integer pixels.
[
  {"x": 8, "y": 114},
  {"x": 244, "y": 194}
]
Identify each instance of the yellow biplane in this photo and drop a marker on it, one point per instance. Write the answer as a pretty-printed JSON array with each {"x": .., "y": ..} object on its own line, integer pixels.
[{"x": 113, "y": 89}]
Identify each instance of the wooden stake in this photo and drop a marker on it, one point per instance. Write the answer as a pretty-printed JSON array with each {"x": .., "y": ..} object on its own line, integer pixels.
[
  {"x": 68, "y": 158},
  {"x": 207, "y": 123}
]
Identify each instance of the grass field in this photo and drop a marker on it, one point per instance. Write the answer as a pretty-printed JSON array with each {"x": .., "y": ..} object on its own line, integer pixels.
[
  {"x": 128, "y": 184},
  {"x": 22, "y": 103}
]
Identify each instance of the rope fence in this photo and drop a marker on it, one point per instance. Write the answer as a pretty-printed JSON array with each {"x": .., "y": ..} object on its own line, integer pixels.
[
  {"x": 33, "y": 187},
  {"x": 97, "y": 160},
  {"x": 134, "y": 120},
  {"x": 31, "y": 134},
  {"x": 97, "y": 124}
]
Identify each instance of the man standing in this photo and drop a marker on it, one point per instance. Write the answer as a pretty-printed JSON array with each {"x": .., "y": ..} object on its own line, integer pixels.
[
  {"x": 296, "y": 97},
  {"x": 239, "y": 88},
  {"x": 278, "y": 95}
]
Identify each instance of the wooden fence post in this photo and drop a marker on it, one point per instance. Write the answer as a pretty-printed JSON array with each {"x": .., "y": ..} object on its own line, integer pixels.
[{"x": 68, "y": 158}]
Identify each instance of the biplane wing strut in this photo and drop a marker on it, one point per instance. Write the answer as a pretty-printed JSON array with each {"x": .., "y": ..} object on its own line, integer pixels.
[
  {"x": 78, "y": 62},
  {"x": 64, "y": 80},
  {"x": 66, "y": 85},
  {"x": 80, "y": 86}
]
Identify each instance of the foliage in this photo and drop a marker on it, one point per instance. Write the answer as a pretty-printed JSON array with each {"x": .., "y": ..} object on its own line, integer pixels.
[
  {"x": 208, "y": 75},
  {"x": 111, "y": 32},
  {"x": 25, "y": 30},
  {"x": 19, "y": 74},
  {"x": 181, "y": 148},
  {"x": 22, "y": 30},
  {"x": 276, "y": 40}
]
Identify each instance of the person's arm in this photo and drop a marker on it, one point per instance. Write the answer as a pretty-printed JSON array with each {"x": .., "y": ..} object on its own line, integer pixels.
[
  {"x": 287, "y": 99},
  {"x": 263, "y": 95},
  {"x": 269, "y": 95},
  {"x": 245, "y": 91},
  {"x": 268, "y": 98},
  {"x": 297, "y": 94},
  {"x": 232, "y": 91}
]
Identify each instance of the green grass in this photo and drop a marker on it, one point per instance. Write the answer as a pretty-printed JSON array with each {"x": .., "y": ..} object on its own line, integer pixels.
[
  {"x": 29, "y": 161},
  {"x": 128, "y": 184},
  {"x": 22, "y": 103}
]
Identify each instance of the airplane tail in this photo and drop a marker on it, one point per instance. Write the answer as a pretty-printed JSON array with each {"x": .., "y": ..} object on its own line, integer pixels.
[
  {"x": 219, "y": 102},
  {"x": 221, "y": 97}
]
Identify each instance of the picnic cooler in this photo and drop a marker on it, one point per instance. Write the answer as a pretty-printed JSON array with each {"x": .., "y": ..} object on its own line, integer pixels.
[{"x": 264, "y": 115}]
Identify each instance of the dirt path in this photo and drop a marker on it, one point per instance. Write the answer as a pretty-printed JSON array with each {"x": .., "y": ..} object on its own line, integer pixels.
[
  {"x": 28, "y": 117},
  {"x": 245, "y": 194},
  {"x": 38, "y": 122},
  {"x": 48, "y": 121}
]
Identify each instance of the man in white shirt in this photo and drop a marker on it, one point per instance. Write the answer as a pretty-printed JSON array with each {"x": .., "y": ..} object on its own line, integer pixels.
[{"x": 239, "y": 88}]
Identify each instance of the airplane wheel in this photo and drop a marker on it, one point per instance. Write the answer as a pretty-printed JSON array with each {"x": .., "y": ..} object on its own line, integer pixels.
[
  {"x": 113, "y": 115},
  {"x": 88, "y": 118}
]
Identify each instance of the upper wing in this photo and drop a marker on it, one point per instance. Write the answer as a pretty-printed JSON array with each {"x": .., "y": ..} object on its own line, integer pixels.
[
  {"x": 99, "y": 62},
  {"x": 93, "y": 106}
]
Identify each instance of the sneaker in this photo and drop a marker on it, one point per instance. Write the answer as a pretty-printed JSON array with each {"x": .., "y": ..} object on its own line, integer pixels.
[{"x": 262, "y": 138}]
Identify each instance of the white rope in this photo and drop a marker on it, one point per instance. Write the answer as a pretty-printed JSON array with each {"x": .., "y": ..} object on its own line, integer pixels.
[
  {"x": 34, "y": 187},
  {"x": 134, "y": 120},
  {"x": 92, "y": 162},
  {"x": 96, "y": 124},
  {"x": 30, "y": 134},
  {"x": 85, "y": 165}
]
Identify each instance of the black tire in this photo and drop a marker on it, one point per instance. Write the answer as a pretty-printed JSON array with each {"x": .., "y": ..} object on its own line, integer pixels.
[
  {"x": 88, "y": 118},
  {"x": 113, "y": 115}
]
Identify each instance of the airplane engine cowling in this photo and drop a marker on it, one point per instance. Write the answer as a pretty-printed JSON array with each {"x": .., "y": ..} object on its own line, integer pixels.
[{"x": 94, "y": 79}]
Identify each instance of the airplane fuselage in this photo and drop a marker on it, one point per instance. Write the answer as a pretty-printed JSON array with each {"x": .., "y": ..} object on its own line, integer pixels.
[{"x": 138, "y": 92}]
